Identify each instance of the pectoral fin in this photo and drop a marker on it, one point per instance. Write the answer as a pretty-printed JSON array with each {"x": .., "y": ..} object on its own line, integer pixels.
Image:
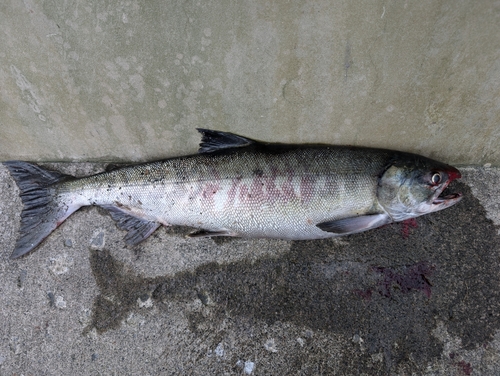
[
  {"x": 138, "y": 229},
  {"x": 351, "y": 225},
  {"x": 207, "y": 234}
]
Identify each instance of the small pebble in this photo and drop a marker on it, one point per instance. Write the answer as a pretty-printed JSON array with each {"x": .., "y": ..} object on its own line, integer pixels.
[
  {"x": 249, "y": 367},
  {"x": 97, "y": 241}
]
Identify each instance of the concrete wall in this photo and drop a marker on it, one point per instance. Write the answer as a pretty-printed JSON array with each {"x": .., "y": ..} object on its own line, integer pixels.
[{"x": 130, "y": 80}]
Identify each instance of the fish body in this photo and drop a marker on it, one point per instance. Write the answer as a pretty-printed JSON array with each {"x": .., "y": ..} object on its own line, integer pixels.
[{"x": 236, "y": 186}]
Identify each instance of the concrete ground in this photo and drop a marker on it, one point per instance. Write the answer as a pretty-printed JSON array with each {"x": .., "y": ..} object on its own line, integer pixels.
[{"x": 420, "y": 298}]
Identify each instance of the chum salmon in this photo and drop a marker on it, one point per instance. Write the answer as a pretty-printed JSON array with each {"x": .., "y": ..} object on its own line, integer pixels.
[{"x": 236, "y": 186}]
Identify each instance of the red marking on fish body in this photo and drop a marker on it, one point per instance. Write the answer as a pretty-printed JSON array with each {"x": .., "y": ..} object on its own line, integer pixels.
[
  {"x": 287, "y": 189},
  {"x": 257, "y": 189},
  {"x": 272, "y": 193},
  {"x": 243, "y": 193},
  {"x": 209, "y": 190}
]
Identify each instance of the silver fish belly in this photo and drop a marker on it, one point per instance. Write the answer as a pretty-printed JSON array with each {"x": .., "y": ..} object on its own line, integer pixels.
[{"x": 236, "y": 186}]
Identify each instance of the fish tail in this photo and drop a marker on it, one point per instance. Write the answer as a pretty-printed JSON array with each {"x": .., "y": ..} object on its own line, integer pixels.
[{"x": 42, "y": 211}]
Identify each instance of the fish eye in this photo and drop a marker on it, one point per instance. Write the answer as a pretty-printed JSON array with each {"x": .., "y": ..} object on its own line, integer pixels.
[{"x": 436, "y": 178}]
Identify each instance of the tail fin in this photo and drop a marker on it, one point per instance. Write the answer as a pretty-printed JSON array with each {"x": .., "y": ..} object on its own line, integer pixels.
[{"x": 42, "y": 213}]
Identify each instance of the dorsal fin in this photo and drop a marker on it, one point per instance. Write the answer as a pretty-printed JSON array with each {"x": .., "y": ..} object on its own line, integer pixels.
[{"x": 216, "y": 140}]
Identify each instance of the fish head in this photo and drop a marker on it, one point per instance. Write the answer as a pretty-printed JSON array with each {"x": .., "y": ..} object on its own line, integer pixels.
[{"x": 413, "y": 185}]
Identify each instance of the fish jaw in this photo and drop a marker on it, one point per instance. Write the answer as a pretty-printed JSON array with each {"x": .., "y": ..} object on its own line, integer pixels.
[
  {"x": 440, "y": 202},
  {"x": 437, "y": 201}
]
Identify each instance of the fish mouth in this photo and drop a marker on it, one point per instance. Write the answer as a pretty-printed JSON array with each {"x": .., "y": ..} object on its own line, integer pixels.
[{"x": 443, "y": 198}]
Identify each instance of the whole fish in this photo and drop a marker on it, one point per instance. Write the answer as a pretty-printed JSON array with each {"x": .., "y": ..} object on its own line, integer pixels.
[{"x": 236, "y": 186}]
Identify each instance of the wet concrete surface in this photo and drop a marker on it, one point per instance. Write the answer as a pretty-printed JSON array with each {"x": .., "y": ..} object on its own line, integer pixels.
[{"x": 420, "y": 297}]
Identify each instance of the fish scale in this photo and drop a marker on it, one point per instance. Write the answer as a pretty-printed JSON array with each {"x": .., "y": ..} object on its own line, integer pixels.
[
  {"x": 158, "y": 192},
  {"x": 236, "y": 186}
]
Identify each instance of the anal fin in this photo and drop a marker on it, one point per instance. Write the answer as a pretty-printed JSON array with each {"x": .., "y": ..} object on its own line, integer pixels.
[
  {"x": 138, "y": 229},
  {"x": 352, "y": 225}
]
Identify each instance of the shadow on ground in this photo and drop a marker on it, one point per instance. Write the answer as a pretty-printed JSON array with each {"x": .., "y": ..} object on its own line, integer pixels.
[{"x": 389, "y": 287}]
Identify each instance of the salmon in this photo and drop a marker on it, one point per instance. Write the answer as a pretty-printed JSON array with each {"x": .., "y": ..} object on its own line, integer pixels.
[{"x": 236, "y": 186}]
